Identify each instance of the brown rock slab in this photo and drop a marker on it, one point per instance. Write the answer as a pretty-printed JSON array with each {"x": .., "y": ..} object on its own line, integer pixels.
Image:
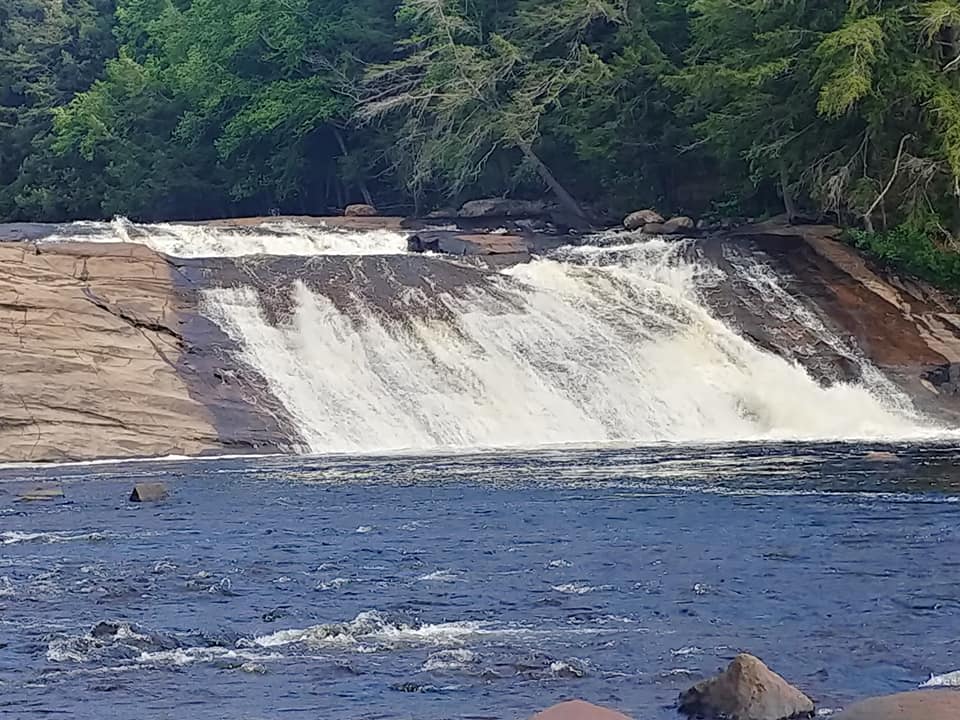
[
  {"x": 89, "y": 342},
  {"x": 746, "y": 690},
  {"x": 452, "y": 242},
  {"x": 917, "y": 705},
  {"x": 579, "y": 710},
  {"x": 41, "y": 494},
  {"x": 149, "y": 492}
]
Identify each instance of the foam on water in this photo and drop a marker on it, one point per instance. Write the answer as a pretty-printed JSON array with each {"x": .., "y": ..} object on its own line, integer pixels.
[
  {"x": 950, "y": 679},
  {"x": 593, "y": 345},
  {"x": 440, "y": 576},
  {"x": 449, "y": 660},
  {"x": 371, "y": 631},
  {"x": 578, "y": 588},
  {"x": 280, "y": 237},
  {"x": 13, "y": 537}
]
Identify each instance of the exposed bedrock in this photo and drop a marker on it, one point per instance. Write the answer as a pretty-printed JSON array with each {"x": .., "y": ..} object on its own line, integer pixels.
[
  {"x": 908, "y": 329},
  {"x": 104, "y": 355}
]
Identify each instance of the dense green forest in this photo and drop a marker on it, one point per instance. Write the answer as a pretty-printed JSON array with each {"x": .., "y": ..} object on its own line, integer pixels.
[{"x": 848, "y": 111}]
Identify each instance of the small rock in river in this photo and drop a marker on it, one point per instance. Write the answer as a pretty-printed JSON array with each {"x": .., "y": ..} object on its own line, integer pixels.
[
  {"x": 38, "y": 494},
  {"x": 880, "y": 456},
  {"x": 148, "y": 492},
  {"x": 746, "y": 690}
]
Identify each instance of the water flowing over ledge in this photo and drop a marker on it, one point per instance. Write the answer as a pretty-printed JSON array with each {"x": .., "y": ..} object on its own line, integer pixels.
[
  {"x": 273, "y": 237},
  {"x": 280, "y": 335},
  {"x": 590, "y": 345}
]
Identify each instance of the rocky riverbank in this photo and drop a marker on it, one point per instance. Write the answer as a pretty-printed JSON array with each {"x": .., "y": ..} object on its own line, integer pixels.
[{"x": 106, "y": 352}]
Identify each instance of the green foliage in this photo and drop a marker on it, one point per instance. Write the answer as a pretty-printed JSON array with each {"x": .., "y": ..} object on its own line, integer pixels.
[
  {"x": 911, "y": 248},
  {"x": 849, "y": 54},
  {"x": 49, "y": 51},
  {"x": 192, "y": 108}
]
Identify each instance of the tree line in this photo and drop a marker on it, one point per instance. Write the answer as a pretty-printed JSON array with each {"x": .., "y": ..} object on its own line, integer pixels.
[{"x": 844, "y": 110}]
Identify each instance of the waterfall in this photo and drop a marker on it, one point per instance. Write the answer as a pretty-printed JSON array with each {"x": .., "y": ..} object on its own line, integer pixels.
[{"x": 587, "y": 345}]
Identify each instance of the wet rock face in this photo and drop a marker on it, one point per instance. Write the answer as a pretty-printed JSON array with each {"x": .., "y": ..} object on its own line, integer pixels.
[
  {"x": 579, "y": 710},
  {"x": 909, "y": 330},
  {"x": 746, "y": 690},
  {"x": 396, "y": 286},
  {"x": 919, "y": 705}
]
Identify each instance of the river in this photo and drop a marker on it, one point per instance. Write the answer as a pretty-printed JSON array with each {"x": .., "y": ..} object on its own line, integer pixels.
[{"x": 475, "y": 585}]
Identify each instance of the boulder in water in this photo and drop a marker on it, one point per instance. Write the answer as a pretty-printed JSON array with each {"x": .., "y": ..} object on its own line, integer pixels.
[
  {"x": 42, "y": 493},
  {"x": 880, "y": 456},
  {"x": 917, "y": 705},
  {"x": 746, "y": 690},
  {"x": 452, "y": 242},
  {"x": 148, "y": 492},
  {"x": 678, "y": 225},
  {"x": 636, "y": 220},
  {"x": 360, "y": 210},
  {"x": 579, "y": 710}
]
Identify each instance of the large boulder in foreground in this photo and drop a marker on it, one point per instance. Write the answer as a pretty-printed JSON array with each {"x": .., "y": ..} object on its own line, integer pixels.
[
  {"x": 917, "y": 705},
  {"x": 746, "y": 690},
  {"x": 579, "y": 710}
]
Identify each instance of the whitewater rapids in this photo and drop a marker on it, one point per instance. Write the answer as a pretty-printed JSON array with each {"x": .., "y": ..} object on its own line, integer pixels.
[
  {"x": 590, "y": 345},
  {"x": 276, "y": 237}
]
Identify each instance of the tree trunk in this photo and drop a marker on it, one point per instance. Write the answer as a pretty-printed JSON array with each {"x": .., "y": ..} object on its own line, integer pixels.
[
  {"x": 364, "y": 190},
  {"x": 788, "y": 204},
  {"x": 566, "y": 199}
]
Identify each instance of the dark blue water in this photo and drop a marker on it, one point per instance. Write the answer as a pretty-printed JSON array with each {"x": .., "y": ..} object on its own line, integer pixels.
[{"x": 483, "y": 586}]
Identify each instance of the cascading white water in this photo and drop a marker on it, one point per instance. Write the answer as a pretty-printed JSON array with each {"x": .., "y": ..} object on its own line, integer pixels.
[
  {"x": 594, "y": 345},
  {"x": 280, "y": 237}
]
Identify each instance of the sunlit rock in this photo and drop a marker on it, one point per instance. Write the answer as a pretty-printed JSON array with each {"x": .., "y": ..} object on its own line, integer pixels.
[
  {"x": 918, "y": 705},
  {"x": 746, "y": 690},
  {"x": 880, "y": 456},
  {"x": 579, "y": 710}
]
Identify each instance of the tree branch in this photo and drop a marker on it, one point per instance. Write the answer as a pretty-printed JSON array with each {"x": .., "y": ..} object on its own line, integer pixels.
[{"x": 893, "y": 176}]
